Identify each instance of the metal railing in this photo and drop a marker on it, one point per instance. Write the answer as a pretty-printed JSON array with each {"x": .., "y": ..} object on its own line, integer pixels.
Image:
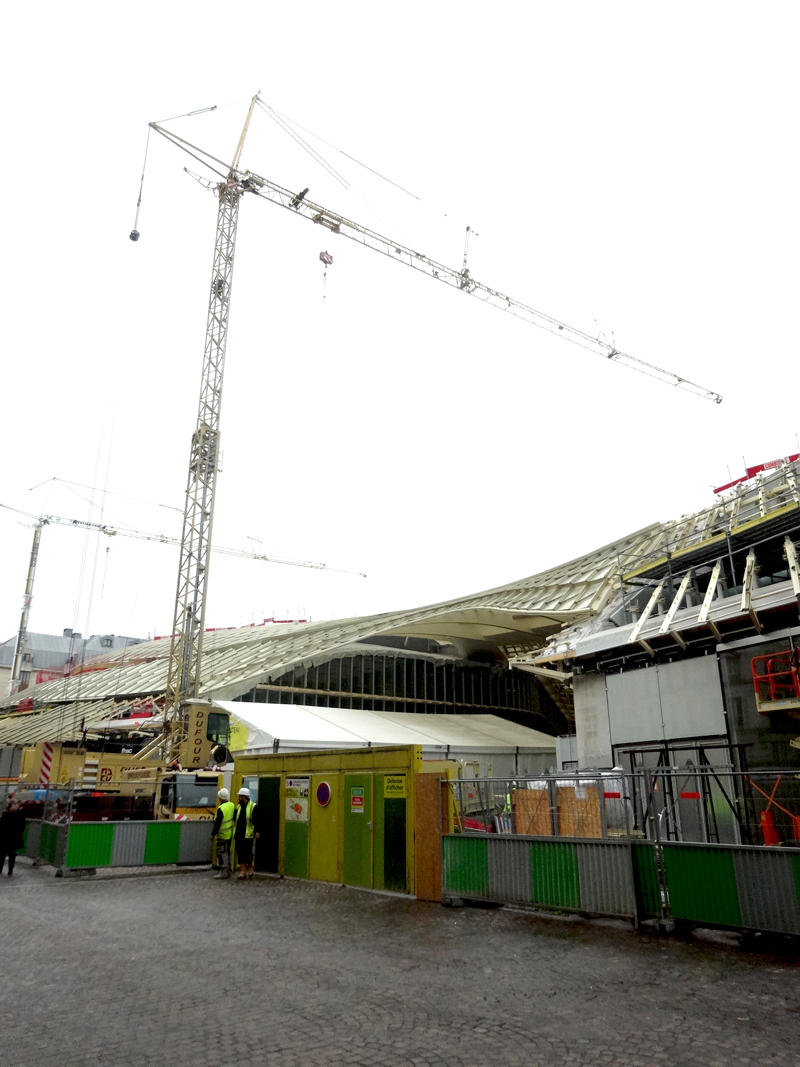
[{"x": 701, "y": 804}]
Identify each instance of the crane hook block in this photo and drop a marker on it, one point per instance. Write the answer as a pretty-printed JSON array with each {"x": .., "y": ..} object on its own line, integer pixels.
[
  {"x": 134, "y": 235},
  {"x": 326, "y": 258}
]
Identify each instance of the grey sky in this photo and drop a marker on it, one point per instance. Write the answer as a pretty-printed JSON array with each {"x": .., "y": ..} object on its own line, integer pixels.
[{"x": 628, "y": 167}]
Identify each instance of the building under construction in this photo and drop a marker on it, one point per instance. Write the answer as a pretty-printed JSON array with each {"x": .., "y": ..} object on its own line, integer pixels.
[{"x": 679, "y": 641}]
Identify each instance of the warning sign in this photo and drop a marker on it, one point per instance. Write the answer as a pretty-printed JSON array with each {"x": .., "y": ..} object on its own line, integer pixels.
[
  {"x": 357, "y": 801},
  {"x": 394, "y": 786}
]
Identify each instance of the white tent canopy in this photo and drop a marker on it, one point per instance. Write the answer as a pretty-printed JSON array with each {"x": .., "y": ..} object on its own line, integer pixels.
[{"x": 486, "y": 739}]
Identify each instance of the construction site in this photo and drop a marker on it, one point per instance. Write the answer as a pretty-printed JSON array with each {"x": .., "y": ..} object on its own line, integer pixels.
[
  {"x": 614, "y": 738},
  {"x": 671, "y": 652}
]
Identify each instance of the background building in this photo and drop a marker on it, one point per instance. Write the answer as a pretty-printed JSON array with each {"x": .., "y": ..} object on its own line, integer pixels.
[{"x": 49, "y": 655}]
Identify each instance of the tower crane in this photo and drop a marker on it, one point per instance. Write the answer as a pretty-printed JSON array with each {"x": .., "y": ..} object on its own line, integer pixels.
[
  {"x": 231, "y": 184},
  {"x": 114, "y": 531}
]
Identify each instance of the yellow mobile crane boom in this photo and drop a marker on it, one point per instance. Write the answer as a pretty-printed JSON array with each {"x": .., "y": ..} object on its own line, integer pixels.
[{"x": 230, "y": 185}]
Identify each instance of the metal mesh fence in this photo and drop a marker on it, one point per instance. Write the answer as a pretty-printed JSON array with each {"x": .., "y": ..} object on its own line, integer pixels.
[
  {"x": 74, "y": 803},
  {"x": 697, "y": 804}
]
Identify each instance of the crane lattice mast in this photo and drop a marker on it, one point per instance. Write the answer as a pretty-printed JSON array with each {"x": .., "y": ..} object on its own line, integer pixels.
[
  {"x": 186, "y": 647},
  {"x": 15, "y": 680}
]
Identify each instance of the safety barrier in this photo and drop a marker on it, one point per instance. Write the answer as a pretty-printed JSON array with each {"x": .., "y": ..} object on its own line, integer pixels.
[
  {"x": 84, "y": 845},
  {"x": 592, "y": 877},
  {"x": 739, "y": 887}
]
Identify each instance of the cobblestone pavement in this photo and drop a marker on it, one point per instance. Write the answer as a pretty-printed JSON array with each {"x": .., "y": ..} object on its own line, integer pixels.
[{"x": 184, "y": 970}]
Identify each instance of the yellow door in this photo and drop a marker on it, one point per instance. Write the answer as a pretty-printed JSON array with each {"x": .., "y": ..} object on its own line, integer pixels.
[{"x": 325, "y": 828}]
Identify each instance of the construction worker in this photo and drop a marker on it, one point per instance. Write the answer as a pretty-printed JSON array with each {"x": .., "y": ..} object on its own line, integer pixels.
[
  {"x": 223, "y": 832},
  {"x": 245, "y": 833}
]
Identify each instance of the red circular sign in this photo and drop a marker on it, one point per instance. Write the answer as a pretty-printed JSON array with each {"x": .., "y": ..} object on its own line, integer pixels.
[{"x": 323, "y": 794}]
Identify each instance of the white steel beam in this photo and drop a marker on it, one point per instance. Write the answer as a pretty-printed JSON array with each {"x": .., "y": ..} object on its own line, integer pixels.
[
  {"x": 651, "y": 603},
  {"x": 708, "y": 600},
  {"x": 748, "y": 582},
  {"x": 790, "y": 552},
  {"x": 666, "y": 625}
]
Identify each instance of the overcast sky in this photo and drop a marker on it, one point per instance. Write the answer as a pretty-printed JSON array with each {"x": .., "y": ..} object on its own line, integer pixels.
[{"x": 629, "y": 167}]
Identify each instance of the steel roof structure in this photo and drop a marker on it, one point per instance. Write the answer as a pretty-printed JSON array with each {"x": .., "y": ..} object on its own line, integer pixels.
[{"x": 514, "y": 617}]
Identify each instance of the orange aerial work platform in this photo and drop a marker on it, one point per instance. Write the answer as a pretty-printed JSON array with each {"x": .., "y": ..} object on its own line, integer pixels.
[{"x": 776, "y": 681}]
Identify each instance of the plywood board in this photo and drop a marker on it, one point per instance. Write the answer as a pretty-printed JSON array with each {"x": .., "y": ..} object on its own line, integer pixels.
[{"x": 531, "y": 808}]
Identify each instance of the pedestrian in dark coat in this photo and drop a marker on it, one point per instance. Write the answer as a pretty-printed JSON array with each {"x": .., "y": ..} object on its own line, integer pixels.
[{"x": 12, "y": 826}]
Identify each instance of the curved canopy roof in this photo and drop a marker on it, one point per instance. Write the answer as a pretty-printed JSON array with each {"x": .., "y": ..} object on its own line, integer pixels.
[{"x": 522, "y": 614}]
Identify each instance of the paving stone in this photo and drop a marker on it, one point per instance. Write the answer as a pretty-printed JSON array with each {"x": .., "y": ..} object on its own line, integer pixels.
[{"x": 194, "y": 972}]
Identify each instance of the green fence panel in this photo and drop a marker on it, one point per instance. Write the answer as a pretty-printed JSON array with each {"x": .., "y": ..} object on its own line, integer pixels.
[
  {"x": 554, "y": 875},
  {"x": 48, "y": 843},
  {"x": 701, "y": 884},
  {"x": 465, "y": 865},
  {"x": 163, "y": 842},
  {"x": 89, "y": 845},
  {"x": 646, "y": 883}
]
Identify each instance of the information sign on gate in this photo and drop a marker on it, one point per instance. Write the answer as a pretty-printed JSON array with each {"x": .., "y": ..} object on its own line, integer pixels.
[{"x": 357, "y": 801}]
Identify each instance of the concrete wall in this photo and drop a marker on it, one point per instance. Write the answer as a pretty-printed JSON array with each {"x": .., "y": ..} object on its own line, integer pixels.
[{"x": 591, "y": 720}]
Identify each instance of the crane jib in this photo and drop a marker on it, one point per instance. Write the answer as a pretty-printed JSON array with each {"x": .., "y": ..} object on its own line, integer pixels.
[{"x": 251, "y": 182}]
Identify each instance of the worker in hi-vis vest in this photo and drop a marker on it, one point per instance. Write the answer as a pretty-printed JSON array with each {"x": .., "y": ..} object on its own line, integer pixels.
[
  {"x": 245, "y": 833},
  {"x": 223, "y": 831}
]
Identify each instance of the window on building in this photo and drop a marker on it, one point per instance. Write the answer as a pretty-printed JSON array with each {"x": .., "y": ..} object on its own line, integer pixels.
[
  {"x": 107, "y": 642},
  {"x": 27, "y": 657}
]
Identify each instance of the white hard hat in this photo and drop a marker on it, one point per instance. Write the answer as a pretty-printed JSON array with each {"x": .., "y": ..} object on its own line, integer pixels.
[
  {"x": 244, "y": 792},
  {"x": 223, "y": 794}
]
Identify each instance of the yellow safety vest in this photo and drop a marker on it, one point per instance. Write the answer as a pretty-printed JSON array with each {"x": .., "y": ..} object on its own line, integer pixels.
[
  {"x": 250, "y": 828},
  {"x": 228, "y": 810}
]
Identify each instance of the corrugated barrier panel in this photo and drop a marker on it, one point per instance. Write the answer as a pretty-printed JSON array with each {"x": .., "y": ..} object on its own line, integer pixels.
[
  {"x": 466, "y": 866},
  {"x": 89, "y": 845},
  {"x": 509, "y": 869},
  {"x": 195, "y": 844},
  {"x": 163, "y": 842},
  {"x": 48, "y": 844},
  {"x": 33, "y": 838},
  {"x": 129, "y": 840},
  {"x": 701, "y": 884},
  {"x": 606, "y": 882},
  {"x": 645, "y": 880},
  {"x": 767, "y": 890},
  {"x": 554, "y": 875}
]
